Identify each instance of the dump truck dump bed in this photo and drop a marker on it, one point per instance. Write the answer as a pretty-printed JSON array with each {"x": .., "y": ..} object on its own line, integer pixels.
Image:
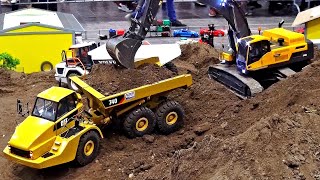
[{"x": 104, "y": 104}]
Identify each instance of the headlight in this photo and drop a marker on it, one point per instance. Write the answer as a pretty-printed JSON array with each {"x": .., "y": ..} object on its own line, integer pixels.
[
  {"x": 243, "y": 71},
  {"x": 31, "y": 154},
  {"x": 9, "y": 147}
]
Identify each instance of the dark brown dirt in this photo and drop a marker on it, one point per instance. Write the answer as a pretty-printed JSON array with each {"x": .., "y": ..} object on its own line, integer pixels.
[
  {"x": 275, "y": 135},
  {"x": 110, "y": 80}
]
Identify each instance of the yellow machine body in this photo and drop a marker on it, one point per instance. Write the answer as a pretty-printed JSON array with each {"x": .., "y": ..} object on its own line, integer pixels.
[
  {"x": 104, "y": 105},
  {"x": 40, "y": 142},
  {"x": 294, "y": 48},
  {"x": 278, "y": 54}
]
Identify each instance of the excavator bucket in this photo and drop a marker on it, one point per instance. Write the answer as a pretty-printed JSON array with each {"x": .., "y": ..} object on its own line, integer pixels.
[{"x": 123, "y": 50}]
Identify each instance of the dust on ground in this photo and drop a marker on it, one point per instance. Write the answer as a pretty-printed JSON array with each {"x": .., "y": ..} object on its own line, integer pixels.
[{"x": 275, "y": 135}]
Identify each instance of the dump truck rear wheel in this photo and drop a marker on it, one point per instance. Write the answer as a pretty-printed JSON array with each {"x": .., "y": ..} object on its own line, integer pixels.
[
  {"x": 88, "y": 148},
  {"x": 169, "y": 116},
  {"x": 139, "y": 122}
]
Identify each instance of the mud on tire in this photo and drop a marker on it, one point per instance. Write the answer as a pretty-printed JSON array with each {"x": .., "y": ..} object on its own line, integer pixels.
[
  {"x": 169, "y": 115},
  {"x": 88, "y": 148},
  {"x": 139, "y": 122}
]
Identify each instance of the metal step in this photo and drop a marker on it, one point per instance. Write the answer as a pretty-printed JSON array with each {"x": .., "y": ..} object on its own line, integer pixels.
[
  {"x": 229, "y": 76},
  {"x": 57, "y": 143}
]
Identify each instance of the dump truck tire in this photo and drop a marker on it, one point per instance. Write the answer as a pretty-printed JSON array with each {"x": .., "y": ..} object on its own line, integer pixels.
[
  {"x": 169, "y": 116},
  {"x": 46, "y": 66},
  {"x": 88, "y": 148},
  {"x": 139, "y": 122}
]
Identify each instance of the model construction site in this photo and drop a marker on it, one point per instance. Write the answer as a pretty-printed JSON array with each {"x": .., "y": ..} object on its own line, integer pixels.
[{"x": 128, "y": 109}]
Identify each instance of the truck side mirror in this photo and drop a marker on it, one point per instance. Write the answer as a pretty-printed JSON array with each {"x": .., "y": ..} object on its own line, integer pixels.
[{"x": 20, "y": 108}]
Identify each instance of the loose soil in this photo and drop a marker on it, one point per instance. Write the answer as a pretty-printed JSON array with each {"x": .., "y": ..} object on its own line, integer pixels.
[
  {"x": 108, "y": 79},
  {"x": 275, "y": 135}
]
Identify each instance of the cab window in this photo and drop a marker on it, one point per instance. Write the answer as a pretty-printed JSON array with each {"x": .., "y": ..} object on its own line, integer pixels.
[
  {"x": 66, "y": 105},
  {"x": 45, "y": 109},
  {"x": 257, "y": 50}
]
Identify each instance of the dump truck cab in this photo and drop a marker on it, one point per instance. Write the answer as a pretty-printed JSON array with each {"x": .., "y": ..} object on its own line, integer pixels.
[{"x": 39, "y": 141}]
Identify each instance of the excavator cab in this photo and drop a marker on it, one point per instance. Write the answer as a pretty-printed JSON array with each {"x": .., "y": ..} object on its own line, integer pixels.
[{"x": 250, "y": 52}]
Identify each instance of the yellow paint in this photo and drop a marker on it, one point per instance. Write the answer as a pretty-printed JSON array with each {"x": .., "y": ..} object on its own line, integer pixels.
[
  {"x": 313, "y": 29},
  {"x": 38, "y": 136},
  {"x": 172, "y": 118},
  {"x": 65, "y": 151},
  {"x": 277, "y": 55},
  {"x": 55, "y": 93},
  {"x": 34, "y": 49},
  {"x": 290, "y": 37},
  {"x": 224, "y": 56},
  {"x": 34, "y": 29},
  {"x": 142, "y": 124},
  {"x": 88, "y": 148},
  {"x": 96, "y": 99}
]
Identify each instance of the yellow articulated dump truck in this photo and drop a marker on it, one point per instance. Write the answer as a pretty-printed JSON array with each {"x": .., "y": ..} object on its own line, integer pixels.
[{"x": 59, "y": 130}]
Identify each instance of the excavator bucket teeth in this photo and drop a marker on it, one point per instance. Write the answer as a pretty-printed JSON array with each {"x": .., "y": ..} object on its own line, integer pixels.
[{"x": 123, "y": 50}]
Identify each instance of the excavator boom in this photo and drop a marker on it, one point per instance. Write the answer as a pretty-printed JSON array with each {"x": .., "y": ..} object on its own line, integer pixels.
[
  {"x": 235, "y": 16},
  {"x": 123, "y": 48}
]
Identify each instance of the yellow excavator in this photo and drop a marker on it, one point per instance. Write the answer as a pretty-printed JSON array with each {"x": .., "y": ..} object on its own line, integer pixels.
[{"x": 255, "y": 61}]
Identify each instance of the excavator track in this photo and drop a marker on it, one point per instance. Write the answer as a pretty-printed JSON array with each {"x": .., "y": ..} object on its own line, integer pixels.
[
  {"x": 229, "y": 76},
  {"x": 247, "y": 86}
]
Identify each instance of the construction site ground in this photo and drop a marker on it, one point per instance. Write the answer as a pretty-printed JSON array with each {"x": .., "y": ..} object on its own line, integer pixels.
[{"x": 275, "y": 135}]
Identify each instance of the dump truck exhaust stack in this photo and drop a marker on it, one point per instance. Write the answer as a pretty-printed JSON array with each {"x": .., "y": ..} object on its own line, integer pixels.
[{"x": 123, "y": 50}]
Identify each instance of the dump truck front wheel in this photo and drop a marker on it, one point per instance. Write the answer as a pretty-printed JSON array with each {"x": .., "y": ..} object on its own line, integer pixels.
[
  {"x": 88, "y": 148},
  {"x": 139, "y": 122},
  {"x": 169, "y": 116}
]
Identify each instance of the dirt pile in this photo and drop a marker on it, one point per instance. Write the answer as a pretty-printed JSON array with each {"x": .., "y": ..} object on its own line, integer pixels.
[
  {"x": 195, "y": 57},
  {"x": 4, "y": 77},
  {"x": 108, "y": 79},
  {"x": 272, "y": 136},
  {"x": 203, "y": 102}
]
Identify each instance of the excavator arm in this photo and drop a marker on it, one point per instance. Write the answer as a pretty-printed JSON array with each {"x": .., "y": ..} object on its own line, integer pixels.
[
  {"x": 123, "y": 48},
  {"x": 235, "y": 16}
]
